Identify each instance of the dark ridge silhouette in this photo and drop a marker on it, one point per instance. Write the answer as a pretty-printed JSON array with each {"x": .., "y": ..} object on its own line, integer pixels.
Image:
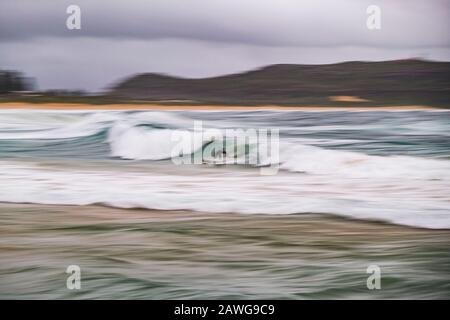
[{"x": 397, "y": 82}]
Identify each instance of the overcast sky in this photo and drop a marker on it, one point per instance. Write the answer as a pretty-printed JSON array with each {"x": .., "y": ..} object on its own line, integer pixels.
[{"x": 199, "y": 38}]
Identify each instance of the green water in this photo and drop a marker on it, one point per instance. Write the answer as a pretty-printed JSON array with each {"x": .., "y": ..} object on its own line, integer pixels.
[
  {"x": 239, "y": 234},
  {"x": 142, "y": 254}
]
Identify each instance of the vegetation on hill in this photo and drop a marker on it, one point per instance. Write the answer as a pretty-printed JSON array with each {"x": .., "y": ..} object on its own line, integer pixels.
[{"x": 394, "y": 82}]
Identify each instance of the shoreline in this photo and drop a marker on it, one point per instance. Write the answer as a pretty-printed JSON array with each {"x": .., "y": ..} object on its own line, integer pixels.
[
  {"x": 348, "y": 224},
  {"x": 79, "y": 106}
]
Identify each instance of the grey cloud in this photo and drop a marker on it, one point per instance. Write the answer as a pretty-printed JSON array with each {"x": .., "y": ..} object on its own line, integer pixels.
[
  {"x": 259, "y": 22},
  {"x": 198, "y": 38}
]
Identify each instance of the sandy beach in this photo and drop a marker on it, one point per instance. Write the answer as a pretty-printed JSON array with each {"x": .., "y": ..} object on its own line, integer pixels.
[{"x": 76, "y": 106}]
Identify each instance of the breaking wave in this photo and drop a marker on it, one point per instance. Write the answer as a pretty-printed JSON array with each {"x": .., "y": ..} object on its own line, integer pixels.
[{"x": 400, "y": 189}]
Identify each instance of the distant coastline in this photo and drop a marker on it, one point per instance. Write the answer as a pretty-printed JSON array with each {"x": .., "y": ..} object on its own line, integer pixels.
[{"x": 400, "y": 84}]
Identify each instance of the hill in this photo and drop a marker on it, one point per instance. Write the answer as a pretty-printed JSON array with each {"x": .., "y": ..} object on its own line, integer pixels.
[{"x": 388, "y": 82}]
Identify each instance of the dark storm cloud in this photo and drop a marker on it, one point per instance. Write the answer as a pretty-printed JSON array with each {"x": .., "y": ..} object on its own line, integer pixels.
[
  {"x": 261, "y": 22},
  {"x": 198, "y": 38}
]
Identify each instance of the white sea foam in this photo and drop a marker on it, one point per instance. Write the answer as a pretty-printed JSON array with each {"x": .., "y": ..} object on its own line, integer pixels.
[
  {"x": 411, "y": 200},
  {"x": 314, "y": 160},
  {"x": 137, "y": 143}
]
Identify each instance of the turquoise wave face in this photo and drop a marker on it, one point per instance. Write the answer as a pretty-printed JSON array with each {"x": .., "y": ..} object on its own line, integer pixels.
[{"x": 84, "y": 134}]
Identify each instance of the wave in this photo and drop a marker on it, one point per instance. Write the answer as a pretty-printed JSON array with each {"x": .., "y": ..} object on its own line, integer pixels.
[
  {"x": 409, "y": 201},
  {"x": 141, "y": 143},
  {"x": 48, "y": 125},
  {"x": 319, "y": 161},
  {"x": 130, "y": 142},
  {"x": 399, "y": 189}
]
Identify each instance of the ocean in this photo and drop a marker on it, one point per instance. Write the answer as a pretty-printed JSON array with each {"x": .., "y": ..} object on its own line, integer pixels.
[{"x": 101, "y": 189}]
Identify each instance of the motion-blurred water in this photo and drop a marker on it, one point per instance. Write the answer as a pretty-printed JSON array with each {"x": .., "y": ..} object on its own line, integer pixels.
[
  {"x": 234, "y": 233},
  {"x": 144, "y": 254},
  {"x": 390, "y": 166}
]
